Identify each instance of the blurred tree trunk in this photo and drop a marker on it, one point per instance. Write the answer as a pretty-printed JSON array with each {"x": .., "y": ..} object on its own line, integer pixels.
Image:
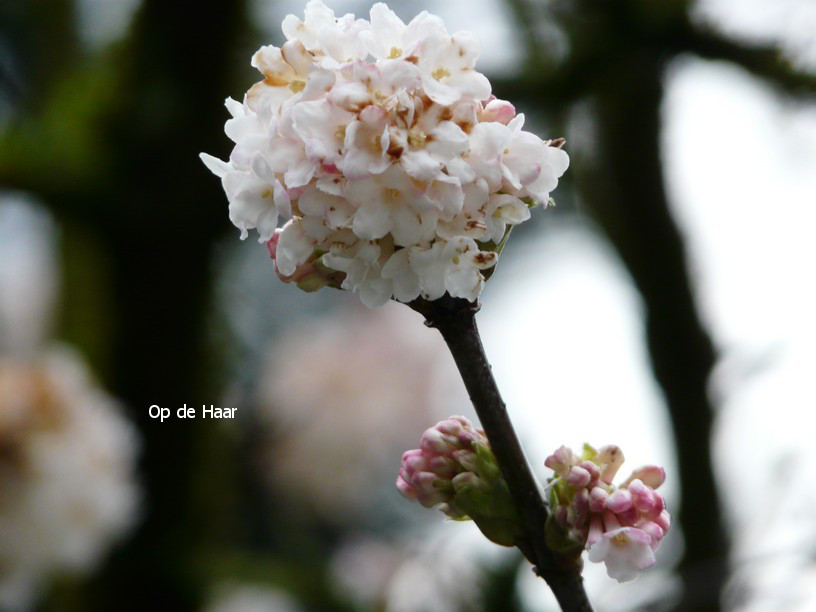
[
  {"x": 153, "y": 213},
  {"x": 617, "y": 57}
]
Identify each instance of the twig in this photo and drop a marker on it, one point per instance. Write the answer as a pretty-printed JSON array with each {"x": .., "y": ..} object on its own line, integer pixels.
[{"x": 455, "y": 320}]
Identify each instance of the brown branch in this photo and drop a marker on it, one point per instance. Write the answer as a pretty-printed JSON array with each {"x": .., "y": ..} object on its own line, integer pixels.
[
  {"x": 455, "y": 320},
  {"x": 764, "y": 61}
]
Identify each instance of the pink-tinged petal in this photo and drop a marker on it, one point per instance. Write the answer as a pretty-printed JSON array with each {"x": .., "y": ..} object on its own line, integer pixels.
[
  {"x": 447, "y": 140},
  {"x": 400, "y": 74},
  {"x": 651, "y": 475},
  {"x": 318, "y": 84},
  {"x": 425, "y": 261},
  {"x": 445, "y": 193},
  {"x": 352, "y": 97},
  {"x": 471, "y": 84},
  {"x": 321, "y": 126},
  {"x": 406, "y": 227},
  {"x": 625, "y": 552},
  {"x": 439, "y": 92},
  {"x": 283, "y": 203},
  {"x": 294, "y": 248},
  {"x": 552, "y": 167},
  {"x": 365, "y": 154},
  {"x": 299, "y": 174},
  {"x": 489, "y": 140},
  {"x": 372, "y": 221},
  {"x": 333, "y": 185},
  {"x": 421, "y": 165},
  {"x": 386, "y": 29}
]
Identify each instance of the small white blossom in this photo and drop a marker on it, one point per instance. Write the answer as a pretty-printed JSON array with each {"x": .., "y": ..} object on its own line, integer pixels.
[
  {"x": 367, "y": 139},
  {"x": 625, "y": 551}
]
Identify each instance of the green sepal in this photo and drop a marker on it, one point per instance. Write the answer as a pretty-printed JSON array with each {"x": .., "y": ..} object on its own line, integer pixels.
[
  {"x": 492, "y": 510},
  {"x": 561, "y": 542}
]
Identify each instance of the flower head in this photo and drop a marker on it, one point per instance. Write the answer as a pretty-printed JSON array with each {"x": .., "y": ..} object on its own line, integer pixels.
[
  {"x": 621, "y": 525},
  {"x": 381, "y": 148}
]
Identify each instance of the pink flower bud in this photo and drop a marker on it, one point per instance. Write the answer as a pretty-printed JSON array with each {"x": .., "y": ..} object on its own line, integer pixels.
[
  {"x": 597, "y": 499},
  {"x": 664, "y": 520},
  {"x": 643, "y": 497},
  {"x": 654, "y": 530},
  {"x": 434, "y": 441},
  {"x": 578, "y": 477},
  {"x": 629, "y": 518},
  {"x": 406, "y": 489},
  {"x": 619, "y": 501},
  {"x": 414, "y": 461},
  {"x": 453, "y": 426},
  {"x": 611, "y": 458},
  {"x": 498, "y": 110},
  {"x": 444, "y": 467},
  {"x": 561, "y": 461},
  {"x": 592, "y": 468}
]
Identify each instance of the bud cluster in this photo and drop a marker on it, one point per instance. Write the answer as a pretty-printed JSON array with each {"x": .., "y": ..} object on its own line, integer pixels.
[
  {"x": 455, "y": 468},
  {"x": 620, "y": 525}
]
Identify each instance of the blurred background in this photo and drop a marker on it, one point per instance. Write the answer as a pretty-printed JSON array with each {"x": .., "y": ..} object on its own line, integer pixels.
[{"x": 665, "y": 305}]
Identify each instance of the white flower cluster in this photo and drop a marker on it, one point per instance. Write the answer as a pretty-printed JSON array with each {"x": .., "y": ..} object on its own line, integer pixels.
[
  {"x": 384, "y": 150},
  {"x": 67, "y": 460}
]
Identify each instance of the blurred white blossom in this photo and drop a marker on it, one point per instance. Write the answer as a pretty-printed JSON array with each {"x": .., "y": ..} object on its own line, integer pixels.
[
  {"x": 67, "y": 458},
  {"x": 384, "y": 150},
  {"x": 67, "y": 454},
  {"x": 346, "y": 396}
]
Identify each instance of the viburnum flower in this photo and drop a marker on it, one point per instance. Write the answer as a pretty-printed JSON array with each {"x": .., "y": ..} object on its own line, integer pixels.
[
  {"x": 621, "y": 526},
  {"x": 455, "y": 469},
  {"x": 379, "y": 146}
]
